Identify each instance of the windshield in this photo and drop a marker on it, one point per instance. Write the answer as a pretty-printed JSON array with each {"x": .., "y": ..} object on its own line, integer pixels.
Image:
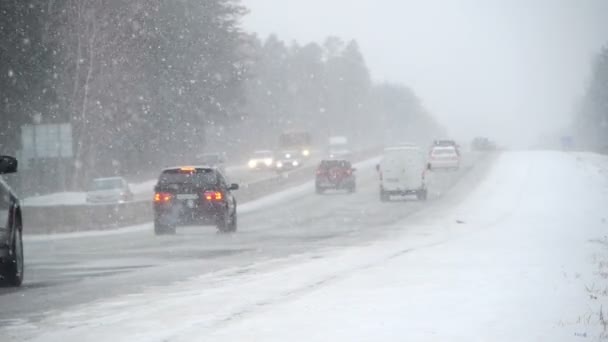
[{"x": 304, "y": 170}]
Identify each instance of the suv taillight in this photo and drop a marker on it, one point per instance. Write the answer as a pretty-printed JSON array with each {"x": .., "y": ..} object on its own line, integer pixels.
[
  {"x": 213, "y": 195},
  {"x": 162, "y": 197}
]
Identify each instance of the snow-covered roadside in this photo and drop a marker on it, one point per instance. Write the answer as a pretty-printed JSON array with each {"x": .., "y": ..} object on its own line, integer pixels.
[{"x": 509, "y": 263}]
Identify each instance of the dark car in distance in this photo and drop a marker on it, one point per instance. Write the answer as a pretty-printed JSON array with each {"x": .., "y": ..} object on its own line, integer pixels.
[
  {"x": 335, "y": 174},
  {"x": 194, "y": 196},
  {"x": 11, "y": 229}
]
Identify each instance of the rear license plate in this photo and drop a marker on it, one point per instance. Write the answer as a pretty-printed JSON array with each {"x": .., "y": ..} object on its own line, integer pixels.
[{"x": 187, "y": 196}]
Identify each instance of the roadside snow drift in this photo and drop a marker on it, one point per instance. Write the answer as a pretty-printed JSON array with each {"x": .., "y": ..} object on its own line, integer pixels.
[{"x": 517, "y": 259}]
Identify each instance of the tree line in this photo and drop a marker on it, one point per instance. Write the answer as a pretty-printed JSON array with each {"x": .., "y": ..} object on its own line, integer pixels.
[
  {"x": 147, "y": 83},
  {"x": 591, "y": 122}
]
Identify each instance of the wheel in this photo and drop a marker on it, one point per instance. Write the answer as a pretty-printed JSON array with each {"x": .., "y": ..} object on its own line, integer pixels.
[
  {"x": 384, "y": 196},
  {"x": 13, "y": 270},
  {"x": 232, "y": 226},
  {"x": 227, "y": 224},
  {"x": 163, "y": 229}
]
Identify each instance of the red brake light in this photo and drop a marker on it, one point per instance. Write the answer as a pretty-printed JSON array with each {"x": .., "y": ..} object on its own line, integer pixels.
[
  {"x": 213, "y": 196},
  {"x": 162, "y": 197}
]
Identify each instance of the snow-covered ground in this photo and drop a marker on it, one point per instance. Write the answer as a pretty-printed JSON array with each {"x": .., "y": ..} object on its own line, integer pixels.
[{"x": 521, "y": 258}]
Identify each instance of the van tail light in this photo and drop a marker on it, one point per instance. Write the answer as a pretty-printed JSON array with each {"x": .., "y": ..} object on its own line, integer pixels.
[
  {"x": 213, "y": 196},
  {"x": 162, "y": 197}
]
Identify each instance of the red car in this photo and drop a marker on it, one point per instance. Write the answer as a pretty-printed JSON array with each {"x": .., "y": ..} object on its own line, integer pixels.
[{"x": 335, "y": 174}]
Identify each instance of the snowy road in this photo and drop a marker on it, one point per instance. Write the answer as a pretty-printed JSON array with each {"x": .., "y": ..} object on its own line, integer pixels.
[
  {"x": 71, "y": 269},
  {"x": 510, "y": 253}
]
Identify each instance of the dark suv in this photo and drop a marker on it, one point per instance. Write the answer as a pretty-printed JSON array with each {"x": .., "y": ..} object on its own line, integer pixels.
[
  {"x": 11, "y": 244},
  {"x": 191, "y": 196},
  {"x": 335, "y": 174}
]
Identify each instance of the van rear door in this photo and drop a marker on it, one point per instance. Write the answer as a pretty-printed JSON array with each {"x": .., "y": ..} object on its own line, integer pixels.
[{"x": 402, "y": 169}]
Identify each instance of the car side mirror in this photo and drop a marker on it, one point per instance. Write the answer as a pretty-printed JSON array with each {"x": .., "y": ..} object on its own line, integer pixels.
[
  {"x": 378, "y": 167},
  {"x": 233, "y": 186},
  {"x": 428, "y": 166},
  {"x": 8, "y": 164}
]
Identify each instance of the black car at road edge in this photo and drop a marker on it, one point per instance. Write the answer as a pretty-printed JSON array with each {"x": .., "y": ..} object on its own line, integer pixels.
[{"x": 11, "y": 229}]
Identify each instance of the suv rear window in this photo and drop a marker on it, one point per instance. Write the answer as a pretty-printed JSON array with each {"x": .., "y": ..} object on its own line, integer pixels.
[
  {"x": 437, "y": 151},
  {"x": 328, "y": 164},
  {"x": 196, "y": 177}
]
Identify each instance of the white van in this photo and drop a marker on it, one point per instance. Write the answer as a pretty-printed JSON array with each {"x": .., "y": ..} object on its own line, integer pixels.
[{"x": 401, "y": 172}]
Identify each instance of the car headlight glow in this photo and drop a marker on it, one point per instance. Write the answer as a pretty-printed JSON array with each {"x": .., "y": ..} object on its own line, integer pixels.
[
  {"x": 287, "y": 155},
  {"x": 306, "y": 153},
  {"x": 279, "y": 165},
  {"x": 295, "y": 163},
  {"x": 268, "y": 161},
  {"x": 252, "y": 163}
]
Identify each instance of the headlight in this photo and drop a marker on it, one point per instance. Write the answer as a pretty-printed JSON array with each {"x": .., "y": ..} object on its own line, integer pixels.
[
  {"x": 268, "y": 161},
  {"x": 252, "y": 164},
  {"x": 279, "y": 165},
  {"x": 287, "y": 155},
  {"x": 295, "y": 163},
  {"x": 306, "y": 153}
]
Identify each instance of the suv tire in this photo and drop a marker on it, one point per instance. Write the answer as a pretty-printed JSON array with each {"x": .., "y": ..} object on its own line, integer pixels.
[{"x": 13, "y": 270}]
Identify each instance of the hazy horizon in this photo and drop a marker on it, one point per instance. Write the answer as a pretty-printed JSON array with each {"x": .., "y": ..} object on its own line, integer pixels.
[{"x": 480, "y": 67}]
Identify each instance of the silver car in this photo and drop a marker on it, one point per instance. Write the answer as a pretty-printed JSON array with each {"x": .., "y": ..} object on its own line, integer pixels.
[{"x": 109, "y": 190}]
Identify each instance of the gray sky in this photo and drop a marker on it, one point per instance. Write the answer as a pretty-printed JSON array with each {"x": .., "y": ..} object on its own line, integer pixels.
[{"x": 483, "y": 67}]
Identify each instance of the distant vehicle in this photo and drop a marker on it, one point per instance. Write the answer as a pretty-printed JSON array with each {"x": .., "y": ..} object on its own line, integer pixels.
[
  {"x": 444, "y": 157},
  {"x": 109, "y": 190},
  {"x": 287, "y": 160},
  {"x": 11, "y": 229},
  {"x": 445, "y": 142},
  {"x": 261, "y": 159},
  {"x": 214, "y": 159},
  {"x": 335, "y": 174},
  {"x": 194, "y": 196},
  {"x": 338, "y": 148},
  {"x": 339, "y": 154},
  {"x": 299, "y": 142},
  {"x": 401, "y": 171},
  {"x": 482, "y": 144}
]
